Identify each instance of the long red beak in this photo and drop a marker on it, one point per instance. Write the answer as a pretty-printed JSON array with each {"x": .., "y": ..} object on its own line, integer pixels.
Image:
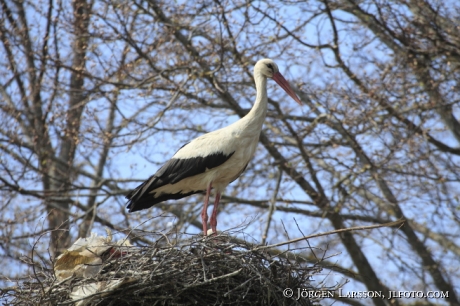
[{"x": 281, "y": 81}]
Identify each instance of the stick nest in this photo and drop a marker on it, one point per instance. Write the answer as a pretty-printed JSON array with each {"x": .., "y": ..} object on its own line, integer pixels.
[{"x": 217, "y": 270}]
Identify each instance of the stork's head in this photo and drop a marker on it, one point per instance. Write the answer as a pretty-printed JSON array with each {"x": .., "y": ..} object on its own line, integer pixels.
[
  {"x": 269, "y": 69},
  {"x": 266, "y": 67}
]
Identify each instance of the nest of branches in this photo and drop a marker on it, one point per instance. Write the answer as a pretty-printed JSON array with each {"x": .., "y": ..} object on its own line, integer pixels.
[{"x": 216, "y": 270}]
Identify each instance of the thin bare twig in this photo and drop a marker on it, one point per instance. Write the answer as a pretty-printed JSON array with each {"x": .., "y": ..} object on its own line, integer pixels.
[
  {"x": 350, "y": 229},
  {"x": 272, "y": 207}
]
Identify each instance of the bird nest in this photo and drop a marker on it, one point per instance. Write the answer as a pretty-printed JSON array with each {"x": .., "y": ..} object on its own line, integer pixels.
[{"x": 216, "y": 270}]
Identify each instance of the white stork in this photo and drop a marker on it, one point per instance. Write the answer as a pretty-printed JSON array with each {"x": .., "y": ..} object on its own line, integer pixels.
[{"x": 212, "y": 160}]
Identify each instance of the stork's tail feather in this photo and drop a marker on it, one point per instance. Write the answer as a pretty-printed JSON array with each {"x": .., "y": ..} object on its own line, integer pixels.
[{"x": 138, "y": 202}]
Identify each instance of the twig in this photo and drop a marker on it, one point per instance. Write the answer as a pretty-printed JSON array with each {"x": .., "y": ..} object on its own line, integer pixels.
[
  {"x": 271, "y": 209},
  {"x": 343, "y": 230},
  {"x": 204, "y": 266},
  {"x": 214, "y": 279},
  {"x": 225, "y": 295}
]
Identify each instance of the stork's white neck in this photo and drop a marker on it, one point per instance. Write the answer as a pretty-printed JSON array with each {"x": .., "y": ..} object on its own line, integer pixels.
[{"x": 254, "y": 120}]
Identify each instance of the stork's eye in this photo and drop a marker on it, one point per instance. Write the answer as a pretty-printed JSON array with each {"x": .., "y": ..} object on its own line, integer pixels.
[{"x": 270, "y": 66}]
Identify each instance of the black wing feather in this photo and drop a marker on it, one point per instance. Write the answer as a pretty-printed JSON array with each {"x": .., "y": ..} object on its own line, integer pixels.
[{"x": 172, "y": 172}]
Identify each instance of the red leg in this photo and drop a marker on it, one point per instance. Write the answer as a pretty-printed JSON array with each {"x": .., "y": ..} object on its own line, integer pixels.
[
  {"x": 214, "y": 214},
  {"x": 204, "y": 212}
]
